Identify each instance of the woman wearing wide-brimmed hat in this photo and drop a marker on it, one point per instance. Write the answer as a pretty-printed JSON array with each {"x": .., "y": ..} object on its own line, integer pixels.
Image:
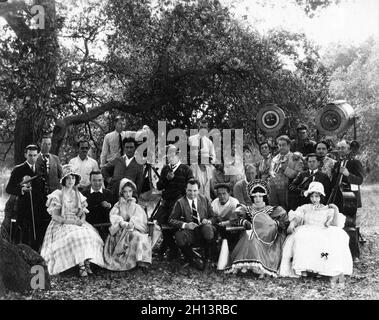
[
  {"x": 128, "y": 244},
  {"x": 69, "y": 240},
  {"x": 317, "y": 243},
  {"x": 259, "y": 249}
]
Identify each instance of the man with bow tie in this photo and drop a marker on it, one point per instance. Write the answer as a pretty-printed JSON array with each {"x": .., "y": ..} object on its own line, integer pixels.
[
  {"x": 301, "y": 183},
  {"x": 31, "y": 210},
  {"x": 194, "y": 217},
  {"x": 100, "y": 201},
  {"x": 173, "y": 182}
]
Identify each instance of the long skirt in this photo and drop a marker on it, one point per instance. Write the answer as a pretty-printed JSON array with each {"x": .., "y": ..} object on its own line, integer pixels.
[
  {"x": 316, "y": 249},
  {"x": 252, "y": 254},
  {"x": 125, "y": 249},
  {"x": 67, "y": 245}
]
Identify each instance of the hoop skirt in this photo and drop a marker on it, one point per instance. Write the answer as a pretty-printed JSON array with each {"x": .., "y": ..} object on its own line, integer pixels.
[
  {"x": 259, "y": 249},
  {"x": 314, "y": 247}
]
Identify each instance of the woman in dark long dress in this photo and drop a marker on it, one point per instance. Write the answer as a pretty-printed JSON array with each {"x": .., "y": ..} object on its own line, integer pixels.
[{"x": 259, "y": 249}]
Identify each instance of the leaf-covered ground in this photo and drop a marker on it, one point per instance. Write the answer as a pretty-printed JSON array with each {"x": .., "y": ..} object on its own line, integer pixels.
[{"x": 167, "y": 280}]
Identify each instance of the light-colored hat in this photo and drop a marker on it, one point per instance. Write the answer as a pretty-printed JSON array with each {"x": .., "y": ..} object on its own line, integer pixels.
[
  {"x": 67, "y": 170},
  {"x": 123, "y": 182},
  {"x": 315, "y": 187}
]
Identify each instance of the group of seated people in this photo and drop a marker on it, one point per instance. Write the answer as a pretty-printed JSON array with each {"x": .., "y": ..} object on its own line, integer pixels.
[{"x": 285, "y": 226}]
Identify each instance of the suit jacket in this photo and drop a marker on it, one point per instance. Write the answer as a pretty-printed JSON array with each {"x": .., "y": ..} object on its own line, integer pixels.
[
  {"x": 182, "y": 212},
  {"x": 175, "y": 188},
  {"x": 355, "y": 178},
  {"x": 117, "y": 169},
  {"x": 295, "y": 187},
  {"x": 303, "y": 176},
  {"x": 97, "y": 213},
  {"x": 55, "y": 172},
  {"x": 288, "y": 168},
  {"x": 306, "y": 146},
  {"x": 23, "y": 200}
]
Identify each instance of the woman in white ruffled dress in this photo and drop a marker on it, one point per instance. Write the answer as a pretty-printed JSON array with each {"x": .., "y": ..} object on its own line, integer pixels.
[
  {"x": 128, "y": 244},
  {"x": 317, "y": 243},
  {"x": 70, "y": 240}
]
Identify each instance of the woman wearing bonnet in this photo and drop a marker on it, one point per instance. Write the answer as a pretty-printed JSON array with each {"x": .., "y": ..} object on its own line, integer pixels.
[
  {"x": 69, "y": 239},
  {"x": 259, "y": 249},
  {"x": 128, "y": 244},
  {"x": 317, "y": 243}
]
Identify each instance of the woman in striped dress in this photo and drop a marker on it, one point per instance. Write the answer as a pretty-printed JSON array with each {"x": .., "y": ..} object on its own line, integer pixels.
[
  {"x": 70, "y": 240},
  {"x": 259, "y": 249}
]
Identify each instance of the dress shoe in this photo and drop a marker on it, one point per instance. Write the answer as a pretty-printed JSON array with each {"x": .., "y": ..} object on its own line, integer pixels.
[{"x": 197, "y": 263}]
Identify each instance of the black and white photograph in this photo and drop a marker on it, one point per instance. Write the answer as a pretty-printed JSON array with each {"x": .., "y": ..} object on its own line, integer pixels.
[{"x": 186, "y": 156}]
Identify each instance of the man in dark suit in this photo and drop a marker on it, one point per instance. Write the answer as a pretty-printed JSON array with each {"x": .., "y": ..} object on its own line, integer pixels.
[
  {"x": 31, "y": 223},
  {"x": 124, "y": 167},
  {"x": 49, "y": 166},
  {"x": 302, "y": 181},
  {"x": 352, "y": 172},
  {"x": 100, "y": 201},
  {"x": 302, "y": 143},
  {"x": 195, "y": 219},
  {"x": 173, "y": 182},
  {"x": 352, "y": 178}
]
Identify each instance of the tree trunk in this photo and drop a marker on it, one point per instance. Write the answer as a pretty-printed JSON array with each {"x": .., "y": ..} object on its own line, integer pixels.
[
  {"x": 40, "y": 53},
  {"x": 23, "y": 135}
]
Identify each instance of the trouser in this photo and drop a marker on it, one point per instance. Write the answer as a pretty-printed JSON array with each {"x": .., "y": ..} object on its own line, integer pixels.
[
  {"x": 168, "y": 235},
  {"x": 203, "y": 236},
  {"x": 26, "y": 233}
]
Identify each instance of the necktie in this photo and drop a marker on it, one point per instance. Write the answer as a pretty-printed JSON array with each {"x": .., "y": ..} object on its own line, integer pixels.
[
  {"x": 45, "y": 157},
  {"x": 194, "y": 213},
  {"x": 120, "y": 143}
]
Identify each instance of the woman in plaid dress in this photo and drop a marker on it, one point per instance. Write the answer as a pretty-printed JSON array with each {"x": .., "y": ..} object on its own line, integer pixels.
[
  {"x": 69, "y": 239},
  {"x": 128, "y": 244}
]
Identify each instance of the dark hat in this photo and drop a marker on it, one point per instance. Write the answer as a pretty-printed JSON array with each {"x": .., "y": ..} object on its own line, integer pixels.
[{"x": 301, "y": 126}]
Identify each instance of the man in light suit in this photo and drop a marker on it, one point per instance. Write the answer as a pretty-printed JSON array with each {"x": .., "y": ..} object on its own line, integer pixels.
[
  {"x": 124, "y": 167},
  {"x": 193, "y": 216},
  {"x": 49, "y": 167},
  {"x": 285, "y": 166}
]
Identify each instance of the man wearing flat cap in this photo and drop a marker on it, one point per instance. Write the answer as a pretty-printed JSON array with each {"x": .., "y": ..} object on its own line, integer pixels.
[{"x": 302, "y": 143}]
